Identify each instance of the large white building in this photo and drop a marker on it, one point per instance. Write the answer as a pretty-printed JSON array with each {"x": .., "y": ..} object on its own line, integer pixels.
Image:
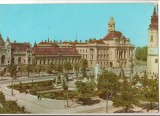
[{"x": 152, "y": 58}]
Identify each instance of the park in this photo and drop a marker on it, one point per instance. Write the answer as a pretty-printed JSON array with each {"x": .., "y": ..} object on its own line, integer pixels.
[{"x": 82, "y": 89}]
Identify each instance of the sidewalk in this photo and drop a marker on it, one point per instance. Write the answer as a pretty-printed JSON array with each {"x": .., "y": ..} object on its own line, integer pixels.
[{"x": 46, "y": 106}]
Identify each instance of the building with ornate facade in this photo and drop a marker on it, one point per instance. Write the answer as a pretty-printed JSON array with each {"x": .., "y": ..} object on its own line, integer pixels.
[
  {"x": 42, "y": 54},
  {"x": 152, "y": 57},
  {"x": 12, "y": 53},
  {"x": 46, "y": 52},
  {"x": 113, "y": 50}
]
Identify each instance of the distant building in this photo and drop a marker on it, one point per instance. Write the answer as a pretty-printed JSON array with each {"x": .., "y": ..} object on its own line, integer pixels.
[
  {"x": 152, "y": 58},
  {"x": 46, "y": 52},
  {"x": 113, "y": 50},
  {"x": 12, "y": 53}
]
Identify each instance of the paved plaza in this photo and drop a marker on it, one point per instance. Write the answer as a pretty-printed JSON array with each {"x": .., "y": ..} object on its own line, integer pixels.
[{"x": 50, "y": 106}]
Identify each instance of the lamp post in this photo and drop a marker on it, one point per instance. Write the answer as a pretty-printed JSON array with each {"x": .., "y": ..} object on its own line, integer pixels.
[
  {"x": 67, "y": 93},
  {"x": 107, "y": 98},
  {"x": 131, "y": 62},
  {"x": 12, "y": 87}
]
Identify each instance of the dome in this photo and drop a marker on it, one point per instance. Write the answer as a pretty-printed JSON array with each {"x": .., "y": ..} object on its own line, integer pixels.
[{"x": 114, "y": 34}]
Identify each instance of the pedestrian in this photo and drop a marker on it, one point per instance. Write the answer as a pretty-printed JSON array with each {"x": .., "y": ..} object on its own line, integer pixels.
[
  {"x": 26, "y": 91},
  {"x": 23, "y": 109},
  {"x": 72, "y": 100},
  {"x": 38, "y": 97}
]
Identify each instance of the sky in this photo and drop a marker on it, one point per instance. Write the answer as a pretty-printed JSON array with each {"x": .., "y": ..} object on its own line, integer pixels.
[{"x": 37, "y": 22}]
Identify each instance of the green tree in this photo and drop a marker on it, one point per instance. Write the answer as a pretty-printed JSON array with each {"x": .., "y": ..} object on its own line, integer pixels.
[
  {"x": 141, "y": 53},
  {"x": 84, "y": 66},
  {"x": 135, "y": 79},
  {"x": 138, "y": 54},
  {"x": 29, "y": 69},
  {"x": 76, "y": 68},
  {"x": 127, "y": 96},
  {"x": 67, "y": 66},
  {"x": 50, "y": 68},
  {"x": 12, "y": 69},
  {"x": 11, "y": 107},
  {"x": 109, "y": 83},
  {"x": 59, "y": 68},
  {"x": 85, "y": 90},
  {"x": 2, "y": 73},
  {"x": 39, "y": 69},
  {"x": 65, "y": 87},
  {"x": 2, "y": 98},
  {"x": 150, "y": 92}
]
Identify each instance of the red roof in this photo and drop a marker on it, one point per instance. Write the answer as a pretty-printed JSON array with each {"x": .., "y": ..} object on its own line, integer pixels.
[
  {"x": 54, "y": 51},
  {"x": 20, "y": 46},
  {"x": 48, "y": 43},
  {"x": 98, "y": 42},
  {"x": 154, "y": 20},
  {"x": 114, "y": 34}
]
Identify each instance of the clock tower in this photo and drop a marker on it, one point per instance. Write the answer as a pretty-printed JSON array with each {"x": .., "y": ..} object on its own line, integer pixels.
[
  {"x": 152, "y": 57},
  {"x": 111, "y": 25}
]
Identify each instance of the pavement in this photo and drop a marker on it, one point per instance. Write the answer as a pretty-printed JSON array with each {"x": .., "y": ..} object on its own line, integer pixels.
[
  {"x": 50, "y": 106},
  {"x": 44, "y": 106}
]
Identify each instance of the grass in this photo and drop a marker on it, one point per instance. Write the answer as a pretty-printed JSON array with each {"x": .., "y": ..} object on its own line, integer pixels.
[
  {"x": 59, "y": 95},
  {"x": 3, "y": 79}
]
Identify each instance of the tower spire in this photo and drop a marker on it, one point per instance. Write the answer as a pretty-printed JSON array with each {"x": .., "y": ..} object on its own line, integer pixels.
[
  {"x": 111, "y": 25},
  {"x": 154, "y": 20}
]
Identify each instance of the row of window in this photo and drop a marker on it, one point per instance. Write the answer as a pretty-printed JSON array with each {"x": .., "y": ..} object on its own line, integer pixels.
[{"x": 55, "y": 61}]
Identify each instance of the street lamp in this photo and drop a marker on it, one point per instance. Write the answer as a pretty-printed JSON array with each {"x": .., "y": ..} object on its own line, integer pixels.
[
  {"x": 131, "y": 63},
  {"x": 107, "y": 98},
  {"x": 66, "y": 80},
  {"x": 12, "y": 87},
  {"x": 121, "y": 69}
]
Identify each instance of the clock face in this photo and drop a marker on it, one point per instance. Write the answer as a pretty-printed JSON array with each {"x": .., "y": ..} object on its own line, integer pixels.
[{"x": 153, "y": 51}]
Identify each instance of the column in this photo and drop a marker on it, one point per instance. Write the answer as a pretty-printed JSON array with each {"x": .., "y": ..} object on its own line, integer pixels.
[
  {"x": 115, "y": 54},
  {"x": 118, "y": 53}
]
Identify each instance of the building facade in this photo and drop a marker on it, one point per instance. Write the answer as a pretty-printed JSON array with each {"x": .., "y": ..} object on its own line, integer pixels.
[
  {"x": 113, "y": 50},
  {"x": 46, "y": 52},
  {"x": 152, "y": 58},
  {"x": 12, "y": 53}
]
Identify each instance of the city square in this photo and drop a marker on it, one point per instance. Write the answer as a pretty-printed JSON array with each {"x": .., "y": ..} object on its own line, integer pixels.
[{"x": 112, "y": 74}]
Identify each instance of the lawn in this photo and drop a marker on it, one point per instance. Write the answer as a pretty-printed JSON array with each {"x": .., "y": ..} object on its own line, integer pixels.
[{"x": 45, "y": 89}]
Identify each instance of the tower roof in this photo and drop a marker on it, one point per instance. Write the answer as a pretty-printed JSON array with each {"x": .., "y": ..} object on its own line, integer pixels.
[
  {"x": 1, "y": 41},
  {"x": 154, "y": 20},
  {"x": 114, "y": 34},
  {"x": 7, "y": 40}
]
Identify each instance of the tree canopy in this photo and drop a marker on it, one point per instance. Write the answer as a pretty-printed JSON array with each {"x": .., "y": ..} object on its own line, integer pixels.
[
  {"x": 126, "y": 97},
  {"x": 107, "y": 82},
  {"x": 141, "y": 53},
  {"x": 85, "y": 90}
]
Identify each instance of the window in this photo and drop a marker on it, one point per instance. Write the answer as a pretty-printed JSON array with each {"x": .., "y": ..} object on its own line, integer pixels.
[
  {"x": 3, "y": 59},
  {"x": 156, "y": 60},
  {"x": 151, "y": 38},
  {"x": 12, "y": 60},
  {"x": 19, "y": 60}
]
